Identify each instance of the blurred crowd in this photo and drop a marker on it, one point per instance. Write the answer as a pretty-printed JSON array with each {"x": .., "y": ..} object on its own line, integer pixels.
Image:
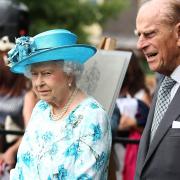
[{"x": 129, "y": 118}]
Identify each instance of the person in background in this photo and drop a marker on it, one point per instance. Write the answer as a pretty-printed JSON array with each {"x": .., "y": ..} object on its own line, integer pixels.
[
  {"x": 17, "y": 101},
  {"x": 69, "y": 133},
  {"x": 133, "y": 103},
  {"x": 158, "y": 29},
  {"x": 12, "y": 92},
  {"x": 133, "y": 106}
]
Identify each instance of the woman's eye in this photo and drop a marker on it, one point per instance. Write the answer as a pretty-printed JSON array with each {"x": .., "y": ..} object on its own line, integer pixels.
[
  {"x": 33, "y": 74},
  {"x": 47, "y": 73}
]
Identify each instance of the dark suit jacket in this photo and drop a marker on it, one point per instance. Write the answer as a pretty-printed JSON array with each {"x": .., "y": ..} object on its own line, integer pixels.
[{"x": 161, "y": 159}]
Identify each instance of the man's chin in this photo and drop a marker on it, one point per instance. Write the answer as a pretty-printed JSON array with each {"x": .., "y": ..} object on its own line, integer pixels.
[{"x": 154, "y": 66}]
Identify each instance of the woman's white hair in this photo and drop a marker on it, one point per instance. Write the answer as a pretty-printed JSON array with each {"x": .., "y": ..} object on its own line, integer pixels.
[
  {"x": 69, "y": 67},
  {"x": 75, "y": 69}
]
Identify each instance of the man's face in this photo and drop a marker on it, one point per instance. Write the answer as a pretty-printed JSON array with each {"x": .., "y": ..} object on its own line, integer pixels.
[
  {"x": 157, "y": 40},
  {"x": 49, "y": 82}
]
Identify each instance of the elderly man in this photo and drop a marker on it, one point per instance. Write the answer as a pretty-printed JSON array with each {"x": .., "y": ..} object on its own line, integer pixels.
[{"x": 158, "y": 28}]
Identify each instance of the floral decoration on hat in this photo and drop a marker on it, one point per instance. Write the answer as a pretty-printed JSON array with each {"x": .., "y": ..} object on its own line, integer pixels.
[{"x": 24, "y": 47}]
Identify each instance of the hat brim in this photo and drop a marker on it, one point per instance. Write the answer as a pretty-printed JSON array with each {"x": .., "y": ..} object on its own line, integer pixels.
[{"x": 77, "y": 53}]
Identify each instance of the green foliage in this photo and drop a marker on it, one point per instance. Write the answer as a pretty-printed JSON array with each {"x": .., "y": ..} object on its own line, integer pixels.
[
  {"x": 70, "y": 14},
  {"x": 111, "y": 9},
  {"x": 145, "y": 67}
]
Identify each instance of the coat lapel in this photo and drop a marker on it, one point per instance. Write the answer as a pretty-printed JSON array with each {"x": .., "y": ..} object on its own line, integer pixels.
[
  {"x": 144, "y": 143},
  {"x": 171, "y": 114}
]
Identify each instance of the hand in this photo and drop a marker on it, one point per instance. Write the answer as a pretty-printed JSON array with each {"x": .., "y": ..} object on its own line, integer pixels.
[
  {"x": 2, "y": 165},
  {"x": 7, "y": 159},
  {"x": 126, "y": 122}
]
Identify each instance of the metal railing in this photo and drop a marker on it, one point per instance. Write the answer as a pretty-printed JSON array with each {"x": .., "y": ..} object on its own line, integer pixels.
[
  {"x": 125, "y": 140},
  {"x": 10, "y": 132},
  {"x": 115, "y": 140}
]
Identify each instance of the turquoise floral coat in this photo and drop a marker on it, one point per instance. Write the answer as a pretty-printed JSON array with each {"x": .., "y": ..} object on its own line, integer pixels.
[{"x": 76, "y": 147}]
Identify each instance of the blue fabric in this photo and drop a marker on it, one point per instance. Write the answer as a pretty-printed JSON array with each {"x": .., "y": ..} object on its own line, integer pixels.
[
  {"x": 142, "y": 113},
  {"x": 77, "y": 147},
  {"x": 115, "y": 121}
]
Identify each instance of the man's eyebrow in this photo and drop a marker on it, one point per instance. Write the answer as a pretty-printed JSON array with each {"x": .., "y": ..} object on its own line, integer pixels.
[
  {"x": 137, "y": 33},
  {"x": 146, "y": 32}
]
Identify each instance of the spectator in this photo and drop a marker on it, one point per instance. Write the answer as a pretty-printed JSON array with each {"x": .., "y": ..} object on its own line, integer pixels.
[
  {"x": 133, "y": 105},
  {"x": 12, "y": 91}
]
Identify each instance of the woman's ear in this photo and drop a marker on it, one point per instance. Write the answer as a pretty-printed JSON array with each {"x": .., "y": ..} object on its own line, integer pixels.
[{"x": 70, "y": 80}]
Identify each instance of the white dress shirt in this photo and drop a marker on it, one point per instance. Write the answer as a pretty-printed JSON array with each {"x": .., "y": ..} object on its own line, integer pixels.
[{"x": 176, "y": 76}]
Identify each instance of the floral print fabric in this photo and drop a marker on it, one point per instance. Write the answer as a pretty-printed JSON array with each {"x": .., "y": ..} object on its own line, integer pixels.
[{"x": 76, "y": 147}]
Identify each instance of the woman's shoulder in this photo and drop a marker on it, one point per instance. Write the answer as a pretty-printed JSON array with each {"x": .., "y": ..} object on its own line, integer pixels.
[
  {"x": 40, "y": 107},
  {"x": 92, "y": 111},
  {"x": 90, "y": 103},
  {"x": 39, "y": 111},
  {"x": 91, "y": 114}
]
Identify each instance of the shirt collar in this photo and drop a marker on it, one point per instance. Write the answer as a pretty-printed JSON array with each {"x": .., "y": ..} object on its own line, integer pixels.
[{"x": 176, "y": 74}]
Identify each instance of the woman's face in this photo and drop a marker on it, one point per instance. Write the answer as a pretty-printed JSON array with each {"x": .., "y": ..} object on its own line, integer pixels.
[{"x": 49, "y": 82}]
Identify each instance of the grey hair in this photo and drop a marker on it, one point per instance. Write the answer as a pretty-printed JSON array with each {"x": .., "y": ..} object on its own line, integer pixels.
[
  {"x": 69, "y": 67},
  {"x": 170, "y": 12},
  {"x": 173, "y": 13},
  {"x": 72, "y": 68},
  {"x": 27, "y": 72}
]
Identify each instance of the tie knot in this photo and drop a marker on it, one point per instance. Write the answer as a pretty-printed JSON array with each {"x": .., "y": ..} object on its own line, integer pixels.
[{"x": 168, "y": 83}]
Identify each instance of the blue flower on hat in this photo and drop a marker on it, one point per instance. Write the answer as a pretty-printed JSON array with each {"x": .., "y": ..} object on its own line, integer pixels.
[{"x": 24, "y": 47}]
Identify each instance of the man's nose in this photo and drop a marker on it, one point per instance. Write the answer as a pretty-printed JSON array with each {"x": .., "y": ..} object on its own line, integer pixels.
[{"x": 142, "y": 43}]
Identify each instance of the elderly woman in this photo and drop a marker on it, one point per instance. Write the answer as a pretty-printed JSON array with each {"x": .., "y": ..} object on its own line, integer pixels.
[{"x": 69, "y": 135}]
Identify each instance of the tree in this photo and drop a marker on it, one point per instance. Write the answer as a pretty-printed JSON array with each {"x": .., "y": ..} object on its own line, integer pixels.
[{"x": 70, "y": 14}]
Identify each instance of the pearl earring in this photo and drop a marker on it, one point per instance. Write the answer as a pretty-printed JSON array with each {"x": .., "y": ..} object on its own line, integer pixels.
[{"x": 69, "y": 84}]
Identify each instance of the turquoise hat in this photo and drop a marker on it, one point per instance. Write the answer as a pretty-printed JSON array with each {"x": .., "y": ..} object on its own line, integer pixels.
[{"x": 58, "y": 44}]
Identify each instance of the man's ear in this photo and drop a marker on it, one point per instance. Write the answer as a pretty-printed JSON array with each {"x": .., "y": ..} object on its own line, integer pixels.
[{"x": 178, "y": 33}]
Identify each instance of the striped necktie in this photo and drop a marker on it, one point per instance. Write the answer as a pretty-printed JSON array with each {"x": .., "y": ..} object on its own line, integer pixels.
[{"x": 163, "y": 100}]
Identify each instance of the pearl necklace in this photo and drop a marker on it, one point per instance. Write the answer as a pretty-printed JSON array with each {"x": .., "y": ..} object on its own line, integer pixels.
[{"x": 56, "y": 117}]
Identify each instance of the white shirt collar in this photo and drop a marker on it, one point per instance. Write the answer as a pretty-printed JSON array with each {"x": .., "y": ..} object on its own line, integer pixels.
[{"x": 176, "y": 74}]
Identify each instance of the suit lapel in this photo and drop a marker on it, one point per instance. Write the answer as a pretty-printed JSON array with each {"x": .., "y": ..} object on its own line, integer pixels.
[
  {"x": 171, "y": 114},
  {"x": 144, "y": 143}
]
